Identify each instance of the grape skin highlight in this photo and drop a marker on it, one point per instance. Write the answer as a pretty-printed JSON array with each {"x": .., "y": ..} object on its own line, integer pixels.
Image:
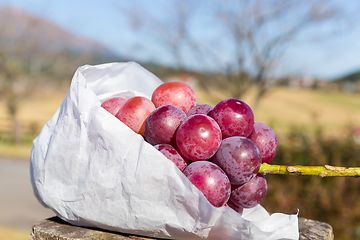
[
  {"x": 198, "y": 137},
  {"x": 210, "y": 180},
  {"x": 235, "y": 117},
  {"x": 240, "y": 159},
  {"x": 174, "y": 93},
  {"x": 161, "y": 125},
  {"x": 265, "y": 139}
]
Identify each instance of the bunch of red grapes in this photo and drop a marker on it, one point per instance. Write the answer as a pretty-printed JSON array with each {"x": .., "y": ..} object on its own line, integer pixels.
[{"x": 219, "y": 149}]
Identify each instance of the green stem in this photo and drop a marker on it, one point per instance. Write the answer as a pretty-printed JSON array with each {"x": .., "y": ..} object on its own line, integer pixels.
[{"x": 320, "y": 171}]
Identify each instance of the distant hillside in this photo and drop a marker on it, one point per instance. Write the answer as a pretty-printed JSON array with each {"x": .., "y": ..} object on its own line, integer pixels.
[
  {"x": 38, "y": 37},
  {"x": 349, "y": 82},
  {"x": 353, "y": 77},
  {"x": 16, "y": 23},
  {"x": 46, "y": 50}
]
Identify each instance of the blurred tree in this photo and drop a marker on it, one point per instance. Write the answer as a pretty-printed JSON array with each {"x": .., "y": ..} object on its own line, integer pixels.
[
  {"x": 19, "y": 63},
  {"x": 262, "y": 31},
  {"x": 36, "y": 55},
  {"x": 28, "y": 54},
  {"x": 240, "y": 42}
]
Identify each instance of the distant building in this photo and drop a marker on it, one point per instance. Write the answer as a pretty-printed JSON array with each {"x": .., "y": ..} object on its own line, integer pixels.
[
  {"x": 350, "y": 83},
  {"x": 348, "y": 86},
  {"x": 326, "y": 85},
  {"x": 307, "y": 82},
  {"x": 296, "y": 82}
]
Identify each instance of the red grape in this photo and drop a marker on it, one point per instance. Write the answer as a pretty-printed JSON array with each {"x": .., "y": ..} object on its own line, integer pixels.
[
  {"x": 113, "y": 105},
  {"x": 210, "y": 180},
  {"x": 249, "y": 194},
  {"x": 134, "y": 113},
  {"x": 235, "y": 117},
  {"x": 200, "y": 109},
  {"x": 240, "y": 159},
  {"x": 162, "y": 123},
  {"x": 174, "y": 93},
  {"x": 233, "y": 206},
  {"x": 265, "y": 139},
  {"x": 198, "y": 137},
  {"x": 172, "y": 154}
]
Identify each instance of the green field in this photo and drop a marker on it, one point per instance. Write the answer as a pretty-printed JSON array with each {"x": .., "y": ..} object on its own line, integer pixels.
[
  {"x": 281, "y": 108},
  {"x": 33, "y": 113}
]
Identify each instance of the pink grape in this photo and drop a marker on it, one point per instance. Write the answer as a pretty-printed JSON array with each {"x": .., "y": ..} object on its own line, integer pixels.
[
  {"x": 200, "y": 109},
  {"x": 198, "y": 137},
  {"x": 174, "y": 93},
  {"x": 265, "y": 139},
  {"x": 113, "y": 105},
  {"x": 161, "y": 125},
  {"x": 134, "y": 113},
  {"x": 210, "y": 180},
  {"x": 251, "y": 193},
  {"x": 240, "y": 159},
  {"x": 172, "y": 154},
  {"x": 235, "y": 117}
]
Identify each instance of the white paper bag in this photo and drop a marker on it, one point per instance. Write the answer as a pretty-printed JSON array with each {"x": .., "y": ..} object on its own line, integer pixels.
[{"x": 94, "y": 171}]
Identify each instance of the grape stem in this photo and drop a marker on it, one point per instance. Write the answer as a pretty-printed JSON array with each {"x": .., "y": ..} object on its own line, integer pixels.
[{"x": 320, "y": 171}]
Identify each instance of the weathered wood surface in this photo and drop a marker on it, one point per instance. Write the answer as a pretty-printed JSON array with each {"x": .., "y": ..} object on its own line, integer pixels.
[
  {"x": 310, "y": 229},
  {"x": 56, "y": 229}
]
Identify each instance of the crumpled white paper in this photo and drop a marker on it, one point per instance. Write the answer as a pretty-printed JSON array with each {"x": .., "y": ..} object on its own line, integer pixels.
[{"x": 94, "y": 171}]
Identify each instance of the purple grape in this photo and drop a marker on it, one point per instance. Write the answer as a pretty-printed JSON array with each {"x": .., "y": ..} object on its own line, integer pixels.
[
  {"x": 200, "y": 109},
  {"x": 161, "y": 125},
  {"x": 235, "y": 117},
  {"x": 240, "y": 159},
  {"x": 172, "y": 154},
  {"x": 233, "y": 206},
  {"x": 198, "y": 137},
  {"x": 249, "y": 194},
  {"x": 265, "y": 139},
  {"x": 210, "y": 180}
]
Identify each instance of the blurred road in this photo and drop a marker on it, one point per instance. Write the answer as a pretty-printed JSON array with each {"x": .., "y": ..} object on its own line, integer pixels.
[{"x": 18, "y": 206}]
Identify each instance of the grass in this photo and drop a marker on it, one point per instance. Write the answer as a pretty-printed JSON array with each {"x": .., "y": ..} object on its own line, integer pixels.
[
  {"x": 13, "y": 234},
  {"x": 33, "y": 113},
  {"x": 13, "y": 151}
]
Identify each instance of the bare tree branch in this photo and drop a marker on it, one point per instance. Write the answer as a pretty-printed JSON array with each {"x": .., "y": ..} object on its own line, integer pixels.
[{"x": 253, "y": 34}]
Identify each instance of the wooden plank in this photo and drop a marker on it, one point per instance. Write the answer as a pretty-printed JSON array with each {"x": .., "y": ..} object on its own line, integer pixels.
[{"x": 57, "y": 229}]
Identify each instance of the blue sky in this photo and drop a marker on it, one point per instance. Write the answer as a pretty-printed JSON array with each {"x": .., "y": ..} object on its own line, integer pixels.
[{"x": 105, "y": 22}]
